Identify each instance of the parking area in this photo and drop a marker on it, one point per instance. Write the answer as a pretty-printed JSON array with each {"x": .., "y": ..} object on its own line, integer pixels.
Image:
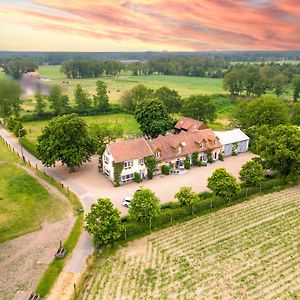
[{"x": 94, "y": 184}]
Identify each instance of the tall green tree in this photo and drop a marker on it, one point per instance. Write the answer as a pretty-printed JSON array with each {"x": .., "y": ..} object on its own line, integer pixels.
[
  {"x": 279, "y": 84},
  {"x": 150, "y": 163},
  {"x": 101, "y": 101},
  {"x": 66, "y": 139},
  {"x": 233, "y": 82},
  {"x": 295, "y": 114},
  {"x": 82, "y": 99},
  {"x": 130, "y": 98},
  {"x": 296, "y": 87},
  {"x": 200, "y": 108},
  {"x": 266, "y": 110},
  {"x": 153, "y": 117},
  {"x": 279, "y": 148},
  {"x": 40, "y": 104},
  {"x": 10, "y": 103},
  {"x": 252, "y": 173},
  {"x": 144, "y": 206},
  {"x": 59, "y": 103},
  {"x": 103, "y": 222},
  {"x": 171, "y": 99},
  {"x": 223, "y": 184},
  {"x": 185, "y": 196}
]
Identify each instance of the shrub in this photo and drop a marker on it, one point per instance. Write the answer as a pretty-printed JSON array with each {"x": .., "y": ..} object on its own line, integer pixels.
[
  {"x": 221, "y": 157},
  {"x": 187, "y": 163},
  {"x": 165, "y": 170},
  {"x": 137, "y": 177},
  {"x": 195, "y": 161},
  {"x": 210, "y": 160}
]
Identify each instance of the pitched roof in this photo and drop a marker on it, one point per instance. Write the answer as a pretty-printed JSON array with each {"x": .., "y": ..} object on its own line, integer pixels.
[
  {"x": 189, "y": 124},
  {"x": 231, "y": 136},
  {"x": 188, "y": 141},
  {"x": 130, "y": 149}
]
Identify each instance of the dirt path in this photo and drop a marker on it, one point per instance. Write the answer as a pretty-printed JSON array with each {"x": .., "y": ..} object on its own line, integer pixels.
[{"x": 24, "y": 259}]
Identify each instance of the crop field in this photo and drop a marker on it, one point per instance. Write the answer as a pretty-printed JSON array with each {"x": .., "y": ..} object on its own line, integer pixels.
[
  {"x": 247, "y": 251},
  {"x": 118, "y": 84},
  {"x": 24, "y": 202}
]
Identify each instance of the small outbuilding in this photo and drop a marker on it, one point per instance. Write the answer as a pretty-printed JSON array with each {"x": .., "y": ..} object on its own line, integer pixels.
[{"x": 233, "y": 141}]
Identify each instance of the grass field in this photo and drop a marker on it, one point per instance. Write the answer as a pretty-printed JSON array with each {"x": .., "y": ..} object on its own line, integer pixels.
[
  {"x": 117, "y": 85},
  {"x": 24, "y": 202},
  {"x": 247, "y": 251}
]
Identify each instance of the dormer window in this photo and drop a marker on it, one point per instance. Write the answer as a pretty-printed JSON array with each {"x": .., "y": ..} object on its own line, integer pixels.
[
  {"x": 215, "y": 142},
  {"x": 178, "y": 150},
  {"x": 202, "y": 144},
  {"x": 157, "y": 154}
]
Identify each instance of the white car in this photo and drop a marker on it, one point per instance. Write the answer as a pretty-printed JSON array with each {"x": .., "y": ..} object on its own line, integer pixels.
[{"x": 126, "y": 201}]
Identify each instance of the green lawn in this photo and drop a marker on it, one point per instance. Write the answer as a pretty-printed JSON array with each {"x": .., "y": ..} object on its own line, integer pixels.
[
  {"x": 127, "y": 121},
  {"x": 25, "y": 204},
  {"x": 117, "y": 85}
]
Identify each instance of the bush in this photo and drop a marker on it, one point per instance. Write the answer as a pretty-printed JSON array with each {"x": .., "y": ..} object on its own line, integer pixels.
[
  {"x": 165, "y": 170},
  {"x": 221, "y": 157},
  {"x": 137, "y": 177},
  {"x": 187, "y": 163},
  {"x": 210, "y": 160},
  {"x": 195, "y": 161}
]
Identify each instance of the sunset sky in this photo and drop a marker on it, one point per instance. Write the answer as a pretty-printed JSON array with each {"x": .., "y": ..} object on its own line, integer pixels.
[{"x": 139, "y": 25}]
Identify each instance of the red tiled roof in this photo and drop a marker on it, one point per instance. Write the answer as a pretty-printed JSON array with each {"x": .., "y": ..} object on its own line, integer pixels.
[
  {"x": 189, "y": 124},
  {"x": 128, "y": 150},
  {"x": 188, "y": 141}
]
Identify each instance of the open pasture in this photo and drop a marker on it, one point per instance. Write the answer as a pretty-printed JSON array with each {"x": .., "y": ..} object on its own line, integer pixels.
[
  {"x": 118, "y": 84},
  {"x": 247, "y": 251},
  {"x": 25, "y": 204}
]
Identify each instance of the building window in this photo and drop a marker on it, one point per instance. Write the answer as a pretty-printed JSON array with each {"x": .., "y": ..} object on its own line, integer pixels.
[
  {"x": 215, "y": 142},
  {"x": 215, "y": 155},
  {"x": 157, "y": 154},
  {"x": 127, "y": 177},
  {"x": 202, "y": 145},
  {"x": 178, "y": 150},
  {"x": 106, "y": 159},
  {"x": 141, "y": 162},
  {"x": 128, "y": 164}
]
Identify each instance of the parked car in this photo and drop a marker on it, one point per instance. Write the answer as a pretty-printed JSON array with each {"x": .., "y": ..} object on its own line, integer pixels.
[{"x": 126, "y": 201}]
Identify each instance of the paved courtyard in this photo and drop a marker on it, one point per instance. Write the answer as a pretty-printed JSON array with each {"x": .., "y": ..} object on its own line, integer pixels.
[{"x": 97, "y": 185}]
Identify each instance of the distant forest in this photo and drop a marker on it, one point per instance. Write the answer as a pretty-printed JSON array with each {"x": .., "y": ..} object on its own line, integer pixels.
[{"x": 56, "y": 58}]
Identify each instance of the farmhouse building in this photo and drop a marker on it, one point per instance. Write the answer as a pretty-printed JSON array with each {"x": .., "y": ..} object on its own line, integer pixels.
[
  {"x": 189, "y": 125},
  {"x": 233, "y": 141},
  {"x": 169, "y": 150}
]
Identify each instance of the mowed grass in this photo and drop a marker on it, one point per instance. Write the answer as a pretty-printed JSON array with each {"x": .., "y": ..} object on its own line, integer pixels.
[
  {"x": 246, "y": 251},
  {"x": 24, "y": 203},
  {"x": 186, "y": 86},
  {"x": 127, "y": 121}
]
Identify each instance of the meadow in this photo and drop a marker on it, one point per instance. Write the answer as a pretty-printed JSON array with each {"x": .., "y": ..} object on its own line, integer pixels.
[
  {"x": 246, "y": 251},
  {"x": 25, "y": 204},
  {"x": 118, "y": 84}
]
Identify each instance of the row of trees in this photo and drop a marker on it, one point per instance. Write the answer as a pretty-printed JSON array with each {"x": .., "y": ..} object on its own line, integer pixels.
[
  {"x": 104, "y": 221},
  {"x": 17, "y": 67},
  {"x": 258, "y": 80},
  {"x": 59, "y": 104},
  {"x": 91, "y": 68}
]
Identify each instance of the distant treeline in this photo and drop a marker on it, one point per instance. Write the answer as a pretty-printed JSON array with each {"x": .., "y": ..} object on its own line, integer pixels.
[
  {"x": 184, "y": 66},
  {"x": 258, "y": 79},
  {"x": 56, "y": 58}
]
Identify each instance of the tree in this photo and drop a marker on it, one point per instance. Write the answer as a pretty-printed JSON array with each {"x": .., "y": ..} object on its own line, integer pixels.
[
  {"x": 152, "y": 116},
  {"x": 17, "y": 67},
  {"x": 104, "y": 222},
  {"x": 185, "y": 196},
  {"x": 296, "y": 87},
  {"x": 266, "y": 110},
  {"x": 144, "y": 206},
  {"x": 223, "y": 184},
  {"x": 10, "y": 103},
  {"x": 279, "y": 148},
  {"x": 252, "y": 173},
  {"x": 170, "y": 98},
  {"x": 295, "y": 114},
  {"x": 66, "y": 139},
  {"x": 59, "y": 103},
  {"x": 233, "y": 82},
  {"x": 200, "y": 108},
  {"x": 101, "y": 102},
  {"x": 130, "y": 98},
  {"x": 150, "y": 163},
  {"x": 279, "y": 84},
  {"x": 82, "y": 99},
  {"x": 40, "y": 104}
]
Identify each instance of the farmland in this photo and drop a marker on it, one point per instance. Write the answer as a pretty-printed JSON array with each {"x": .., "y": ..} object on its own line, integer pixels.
[
  {"x": 247, "y": 251},
  {"x": 118, "y": 84},
  {"x": 24, "y": 202}
]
